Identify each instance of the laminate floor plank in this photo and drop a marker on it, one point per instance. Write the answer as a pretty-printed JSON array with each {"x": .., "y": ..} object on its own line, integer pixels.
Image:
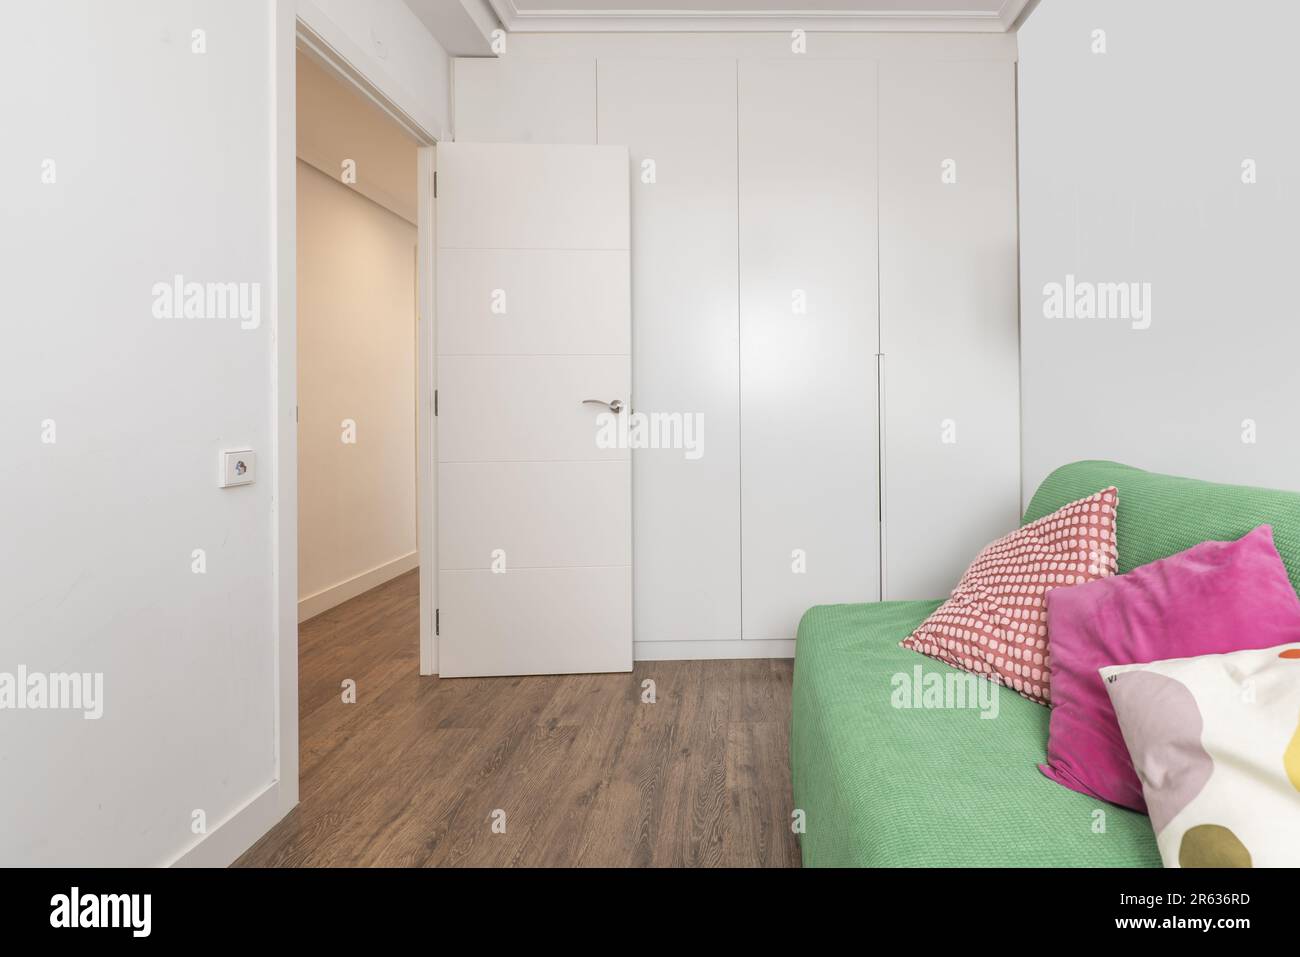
[{"x": 574, "y": 770}]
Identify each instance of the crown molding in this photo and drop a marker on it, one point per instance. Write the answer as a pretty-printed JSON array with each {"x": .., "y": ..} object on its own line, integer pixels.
[
  {"x": 1015, "y": 12},
  {"x": 559, "y": 20}
]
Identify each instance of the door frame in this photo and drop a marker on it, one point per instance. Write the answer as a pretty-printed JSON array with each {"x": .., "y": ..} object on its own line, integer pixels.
[{"x": 332, "y": 50}]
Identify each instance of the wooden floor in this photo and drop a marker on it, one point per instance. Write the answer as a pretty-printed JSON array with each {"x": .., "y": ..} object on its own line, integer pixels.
[{"x": 416, "y": 772}]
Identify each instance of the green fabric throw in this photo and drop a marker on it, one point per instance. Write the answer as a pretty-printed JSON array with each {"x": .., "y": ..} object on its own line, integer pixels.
[
  {"x": 880, "y": 784},
  {"x": 1162, "y": 515}
]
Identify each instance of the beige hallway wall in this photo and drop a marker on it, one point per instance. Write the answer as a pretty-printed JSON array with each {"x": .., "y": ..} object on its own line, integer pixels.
[{"x": 356, "y": 365}]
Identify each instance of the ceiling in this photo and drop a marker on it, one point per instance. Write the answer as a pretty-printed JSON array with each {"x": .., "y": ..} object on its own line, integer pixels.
[
  {"x": 994, "y": 16},
  {"x": 743, "y": 6}
]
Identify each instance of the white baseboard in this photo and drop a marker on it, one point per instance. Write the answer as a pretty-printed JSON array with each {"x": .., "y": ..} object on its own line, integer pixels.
[
  {"x": 327, "y": 598},
  {"x": 222, "y": 845},
  {"x": 706, "y": 650}
]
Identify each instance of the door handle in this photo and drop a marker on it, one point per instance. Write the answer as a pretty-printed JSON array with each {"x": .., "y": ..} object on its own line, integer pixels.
[{"x": 614, "y": 405}]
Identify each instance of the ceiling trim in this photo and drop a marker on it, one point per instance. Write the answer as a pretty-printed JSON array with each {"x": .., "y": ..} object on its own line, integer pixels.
[
  {"x": 1015, "y": 12},
  {"x": 748, "y": 21}
]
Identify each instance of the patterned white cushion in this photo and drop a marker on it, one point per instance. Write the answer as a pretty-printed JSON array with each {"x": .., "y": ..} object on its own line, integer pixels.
[{"x": 1216, "y": 743}]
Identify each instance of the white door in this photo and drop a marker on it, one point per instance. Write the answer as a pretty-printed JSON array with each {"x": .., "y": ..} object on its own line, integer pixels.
[
  {"x": 808, "y": 339},
  {"x": 950, "y": 318},
  {"x": 534, "y": 486},
  {"x": 682, "y": 115}
]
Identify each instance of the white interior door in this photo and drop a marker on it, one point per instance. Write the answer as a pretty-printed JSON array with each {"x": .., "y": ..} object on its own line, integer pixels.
[{"x": 534, "y": 320}]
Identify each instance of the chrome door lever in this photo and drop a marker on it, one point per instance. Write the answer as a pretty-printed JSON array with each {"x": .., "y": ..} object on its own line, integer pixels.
[{"x": 614, "y": 405}]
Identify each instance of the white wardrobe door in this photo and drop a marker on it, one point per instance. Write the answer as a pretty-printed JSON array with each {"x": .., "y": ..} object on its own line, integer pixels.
[
  {"x": 949, "y": 318},
  {"x": 678, "y": 119},
  {"x": 809, "y": 490}
]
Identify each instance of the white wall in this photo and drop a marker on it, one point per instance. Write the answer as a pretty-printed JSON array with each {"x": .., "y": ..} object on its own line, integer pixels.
[
  {"x": 163, "y": 167},
  {"x": 720, "y": 240},
  {"x": 165, "y": 164},
  {"x": 356, "y": 361},
  {"x": 1131, "y": 172}
]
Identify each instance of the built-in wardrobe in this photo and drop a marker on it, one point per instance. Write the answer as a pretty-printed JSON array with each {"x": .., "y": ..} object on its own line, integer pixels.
[{"x": 824, "y": 268}]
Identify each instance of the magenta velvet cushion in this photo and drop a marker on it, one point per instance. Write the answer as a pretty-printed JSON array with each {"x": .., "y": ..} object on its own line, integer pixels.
[{"x": 1214, "y": 598}]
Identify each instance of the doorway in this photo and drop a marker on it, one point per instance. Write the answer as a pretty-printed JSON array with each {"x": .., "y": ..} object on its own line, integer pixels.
[
  {"x": 357, "y": 216},
  {"x": 300, "y": 40}
]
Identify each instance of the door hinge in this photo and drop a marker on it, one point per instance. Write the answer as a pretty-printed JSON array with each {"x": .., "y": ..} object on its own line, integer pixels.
[
  {"x": 295, "y": 413},
  {"x": 437, "y": 620},
  {"x": 435, "y": 184},
  {"x": 435, "y": 403}
]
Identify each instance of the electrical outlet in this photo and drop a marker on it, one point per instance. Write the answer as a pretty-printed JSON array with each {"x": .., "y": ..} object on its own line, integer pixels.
[{"x": 238, "y": 467}]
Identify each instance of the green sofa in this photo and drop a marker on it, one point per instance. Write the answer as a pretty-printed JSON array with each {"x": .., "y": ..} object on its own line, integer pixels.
[{"x": 886, "y": 786}]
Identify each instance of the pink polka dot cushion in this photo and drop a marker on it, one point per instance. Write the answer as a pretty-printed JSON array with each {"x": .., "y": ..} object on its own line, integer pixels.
[{"x": 995, "y": 621}]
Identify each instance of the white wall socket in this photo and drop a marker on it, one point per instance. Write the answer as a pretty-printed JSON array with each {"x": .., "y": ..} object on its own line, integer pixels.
[{"x": 238, "y": 467}]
